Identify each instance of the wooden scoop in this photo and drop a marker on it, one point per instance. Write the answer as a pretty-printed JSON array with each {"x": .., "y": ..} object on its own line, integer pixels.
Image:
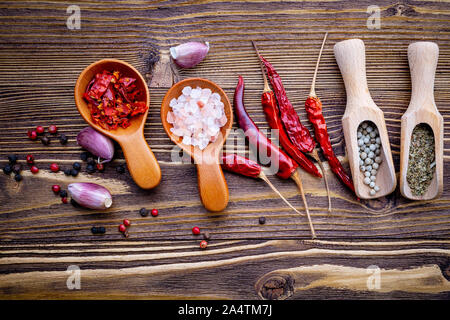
[
  {"x": 423, "y": 57},
  {"x": 211, "y": 181},
  {"x": 350, "y": 56},
  {"x": 141, "y": 162}
]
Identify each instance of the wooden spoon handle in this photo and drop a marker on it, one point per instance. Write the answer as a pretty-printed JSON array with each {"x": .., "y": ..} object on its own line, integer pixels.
[
  {"x": 351, "y": 58},
  {"x": 141, "y": 161},
  {"x": 212, "y": 186},
  {"x": 423, "y": 58}
]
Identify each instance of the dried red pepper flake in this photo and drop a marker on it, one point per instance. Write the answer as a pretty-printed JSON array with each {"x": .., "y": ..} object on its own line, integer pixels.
[{"x": 112, "y": 100}]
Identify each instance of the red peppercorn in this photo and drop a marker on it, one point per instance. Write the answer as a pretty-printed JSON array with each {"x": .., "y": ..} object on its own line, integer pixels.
[
  {"x": 30, "y": 159},
  {"x": 64, "y": 200},
  {"x": 32, "y": 134},
  {"x": 203, "y": 244},
  {"x": 155, "y": 212},
  {"x": 126, "y": 222},
  {"x": 40, "y": 129},
  {"x": 34, "y": 169},
  {"x": 52, "y": 129},
  {"x": 100, "y": 167},
  {"x": 196, "y": 230},
  {"x": 54, "y": 167},
  {"x": 56, "y": 188},
  {"x": 122, "y": 228}
]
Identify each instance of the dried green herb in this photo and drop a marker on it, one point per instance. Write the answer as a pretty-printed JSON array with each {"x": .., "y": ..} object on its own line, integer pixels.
[{"x": 421, "y": 163}]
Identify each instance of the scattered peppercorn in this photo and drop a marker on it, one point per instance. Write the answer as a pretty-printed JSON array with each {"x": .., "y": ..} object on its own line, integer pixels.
[
  {"x": 74, "y": 172},
  {"x": 94, "y": 230},
  {"x": 76, "y": 165},
  {"x": 143, "y": 212},
  {"x": 18, "y": 177},
  {"x": 45, "y": 140},
  {"x": 12, "y": 158},
  {"x": 34, "y": 169},
  {"x": 100, "y": 167},
  {"x": 120, "y": 169},
  {"x": 7, "y": 169},
  {"x": 155, "y": 212},
  {"x": 17, "y": 168},
  {"x": 91, "y": 161},
  {"x": 126, "y": 222},
  {"x": 90, "y": 168},
  {"x": 262, "y": 220},
  {"x": 196, "y": 230},
  {"x": 63, "y": 194},
  {"x": 30, "y": 159},
  {"x": 84, "y": 156},
  {"x": 64, "y": 200},
  {"x": 40, "y": 129},
  {"x": 32, "y": 134},
  {"x": 101, "y": 230},
  {"x": 98, "y": 230},
  {"x": 206, "y": 235},
  {"x": 52, "y": 129},
  {"x": 56, "y": 188},
  {"x": 122, "y": 228},
  {"x": 54, "y": 167},
  {"x": 63, "y": 139},
  {"x": 203, "y": 244},
  {"x": 68, "y": 172}
]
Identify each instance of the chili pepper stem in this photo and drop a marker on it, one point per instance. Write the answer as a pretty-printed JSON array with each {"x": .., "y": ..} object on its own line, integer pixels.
[
  {"x": 264, "y": 177},
  {"x": 312, "y": 92},
  {"x": 266, "y": 83},
  {"x": 315, "y": 156},
  {"x": 296, "y": 177}
]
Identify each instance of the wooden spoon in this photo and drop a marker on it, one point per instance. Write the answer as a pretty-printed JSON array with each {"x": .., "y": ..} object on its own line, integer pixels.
[
  {"x": 211, "y": 181},
  {"x": 350, "y": 56},
  {"x": 423, "y": 57},
  {"x": 140, "y": 159}
]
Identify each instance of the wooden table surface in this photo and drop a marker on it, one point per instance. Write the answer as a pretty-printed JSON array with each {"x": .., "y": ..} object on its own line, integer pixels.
[{"x": 406, "y": 243}]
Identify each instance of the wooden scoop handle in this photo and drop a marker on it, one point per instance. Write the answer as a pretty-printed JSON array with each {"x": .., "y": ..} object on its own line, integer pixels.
[
  {"x": 351, "y": 58},
  {"x": 141, "y": 161},
  {"x": 212, "y": 185},
  {"x": 423, "y": 58}
]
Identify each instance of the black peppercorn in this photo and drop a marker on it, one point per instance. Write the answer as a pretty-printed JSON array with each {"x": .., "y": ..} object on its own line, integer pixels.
[
  {"x": 63, "y": 194},
  {"x": 73, "y": 172},
  {"x": 45, "y": 140},
  {"x": 18, "y": 177},
  {"x": 91, "y": 161},
  {"x": 262, "y": 220},
  {"x": 143, "y": 212},
  {"x": 7, "y": 169},
  {"x": 76, "y": 166},
  {"x": 90, "y": 168},
  {"x": 12, "y": 158},
  {"x": 120, "y": 169},
  {"x": 67, "y": 172},
  {"x": 94, "y": 230},
  {"x": 17, "y": 168},
  {"x": 101, "y": 230},
  {"x": 63, "y": 139},
  {"x": 84, "y": 156}
]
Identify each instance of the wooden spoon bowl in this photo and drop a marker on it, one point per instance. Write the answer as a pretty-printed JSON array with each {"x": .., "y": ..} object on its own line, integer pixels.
[
  {"x": 211, "y": 181},
  {"x": 140, "y": 159},
  {"x": 350, "y": 56},
  {"x": 423, "y": 58}
]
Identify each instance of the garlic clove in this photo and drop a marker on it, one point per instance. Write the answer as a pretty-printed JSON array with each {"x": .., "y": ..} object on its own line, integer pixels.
[
  {"x": 96, "y": 143},
  {"x": 90, "y": 195},
  {"x": 189, "y": 54}
]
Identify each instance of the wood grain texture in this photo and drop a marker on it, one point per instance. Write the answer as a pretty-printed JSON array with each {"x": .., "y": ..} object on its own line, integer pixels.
[{"x": 40, "y": 60}]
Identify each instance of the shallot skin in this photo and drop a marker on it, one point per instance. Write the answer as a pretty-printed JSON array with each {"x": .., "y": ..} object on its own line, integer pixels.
[
  {"x": 189, "y": 54},
  {"x": 96, "y": 143},
  {"x": 90, "y": 195}
]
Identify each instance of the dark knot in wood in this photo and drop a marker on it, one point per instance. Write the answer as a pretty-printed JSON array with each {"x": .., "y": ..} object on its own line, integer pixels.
[
  {"x": 401, "y": 9},
  {"x": 277, "y": 288}
]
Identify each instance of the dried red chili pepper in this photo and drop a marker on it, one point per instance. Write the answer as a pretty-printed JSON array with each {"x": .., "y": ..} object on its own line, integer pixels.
[
  {"x": 112, "y": 100},
  {"x": 313, "y": 107},
  {"x": 246, "y": 167},
  {"x": 271, "y": 111},
  {"x": 287, "y": 168}
]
